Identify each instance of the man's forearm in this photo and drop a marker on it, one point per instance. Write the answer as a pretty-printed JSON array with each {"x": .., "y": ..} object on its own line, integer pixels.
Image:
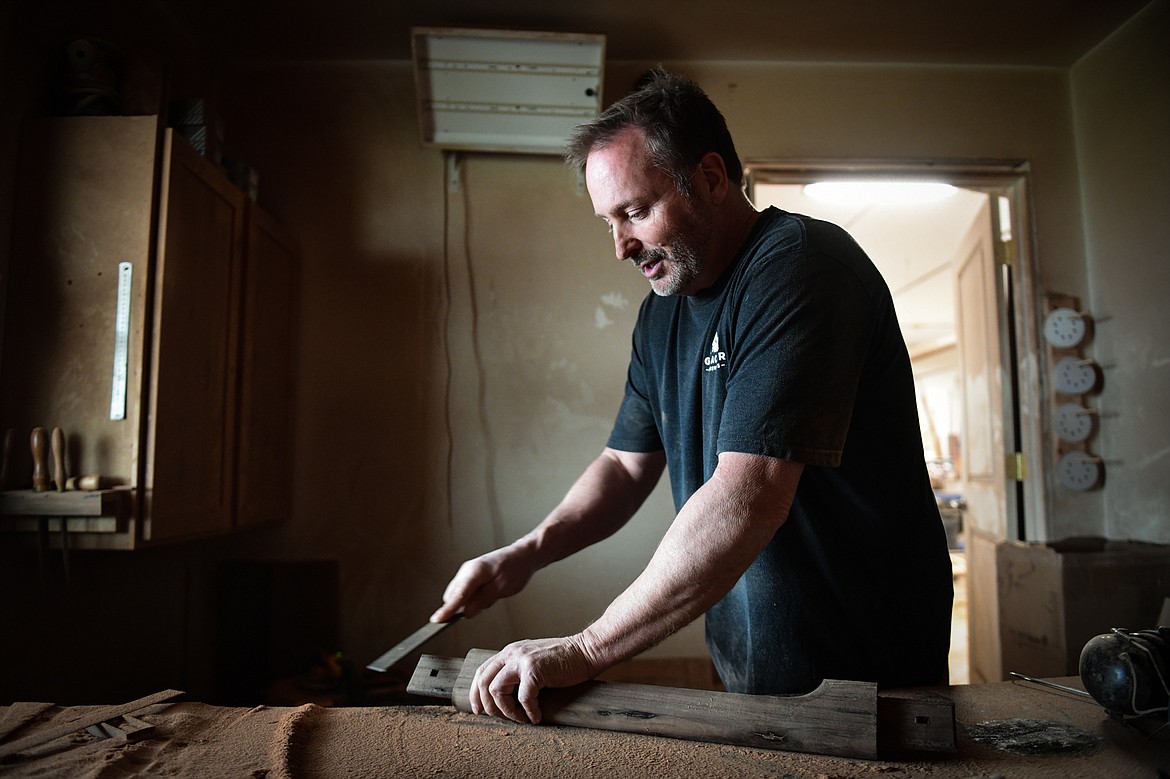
[
  {"x": 601, "y": 501},
  {"x": 713, "y": 540},
  {"x": 719, "y": 532}
]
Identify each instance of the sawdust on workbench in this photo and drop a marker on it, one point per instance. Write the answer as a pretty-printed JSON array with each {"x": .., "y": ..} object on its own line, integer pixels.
[
  {"x": 192, "y": 740},
  {"x": 197, "y": 741},
  {"x": 289, "y": 741},
  {"x": 440, "y": 742}
]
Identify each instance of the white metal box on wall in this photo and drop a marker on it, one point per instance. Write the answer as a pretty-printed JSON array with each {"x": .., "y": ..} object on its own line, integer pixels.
[{"x": 506, "y": 91}]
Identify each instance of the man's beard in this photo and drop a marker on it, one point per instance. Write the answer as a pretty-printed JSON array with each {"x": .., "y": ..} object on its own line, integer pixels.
[
  {"x": 683, "y": 255},
  {"x": 683, "y": 268}
]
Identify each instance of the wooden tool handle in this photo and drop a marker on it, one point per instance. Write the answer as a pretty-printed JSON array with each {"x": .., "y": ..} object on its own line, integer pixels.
[
  {"x": 40, "y": 452},
  {"x": 58, "y": 446},
  {"x": 88, "y": 483}
]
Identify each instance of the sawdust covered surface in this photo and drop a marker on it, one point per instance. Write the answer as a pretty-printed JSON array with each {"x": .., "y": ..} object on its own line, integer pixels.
[
  {"x": 191, "y": 740},
  {"x": 197, "y": 740},
  {"x": 439, "y": 742}
]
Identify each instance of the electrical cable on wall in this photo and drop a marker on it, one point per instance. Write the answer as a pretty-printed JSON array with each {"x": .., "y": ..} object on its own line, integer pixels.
[
  {"x": 448, "y": 161},
  {"x": 453, "y": 182},
  {"x": 493, "y": 503}
]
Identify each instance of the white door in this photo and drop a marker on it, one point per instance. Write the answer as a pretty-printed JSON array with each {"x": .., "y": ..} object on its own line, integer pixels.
[{"x": 981, "y": 308}]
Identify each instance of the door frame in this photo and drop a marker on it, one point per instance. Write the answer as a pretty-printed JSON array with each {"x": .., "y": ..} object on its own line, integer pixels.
[{"x": 1008, "y": 179}]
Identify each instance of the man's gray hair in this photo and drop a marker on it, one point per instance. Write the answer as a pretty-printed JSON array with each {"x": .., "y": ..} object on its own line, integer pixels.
[{"x": 678, "y": 120}]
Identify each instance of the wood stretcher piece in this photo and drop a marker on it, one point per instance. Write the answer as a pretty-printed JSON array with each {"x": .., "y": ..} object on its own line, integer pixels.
[
  {"x": 128, "y": 728},
  {"x": 838, "y": 718},
  {"x": 93, "y": 717}
]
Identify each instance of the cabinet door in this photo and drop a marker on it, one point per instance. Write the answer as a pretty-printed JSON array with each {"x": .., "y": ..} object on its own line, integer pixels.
[
  {"x": 190, "y": 434},
  {"x": 271, "y": 282},
  {"x": 84, "y": 204}
]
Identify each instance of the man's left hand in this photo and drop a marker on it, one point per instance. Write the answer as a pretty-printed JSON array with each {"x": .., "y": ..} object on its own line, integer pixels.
[{"x": 507, "y": 684}]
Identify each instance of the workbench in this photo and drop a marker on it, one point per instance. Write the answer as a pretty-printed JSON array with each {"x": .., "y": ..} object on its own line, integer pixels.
[{"x": 1006, "y": 729}]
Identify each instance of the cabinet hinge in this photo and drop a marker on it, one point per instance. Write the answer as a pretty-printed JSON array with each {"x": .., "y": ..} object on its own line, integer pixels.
[
  {"x": 1007, "y": 254},
  {"x": 1018, "y": 466}
]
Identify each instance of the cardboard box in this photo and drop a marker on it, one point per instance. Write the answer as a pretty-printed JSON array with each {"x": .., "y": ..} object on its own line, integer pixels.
[{"x": 1054, "y": 597}]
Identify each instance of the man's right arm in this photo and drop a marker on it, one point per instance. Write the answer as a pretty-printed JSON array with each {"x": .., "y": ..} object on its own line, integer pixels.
[{"x": 601, "y": 501}]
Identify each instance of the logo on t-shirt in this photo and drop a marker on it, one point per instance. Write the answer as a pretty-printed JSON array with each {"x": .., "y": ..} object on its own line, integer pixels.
[{"x": 716, "y": 359}]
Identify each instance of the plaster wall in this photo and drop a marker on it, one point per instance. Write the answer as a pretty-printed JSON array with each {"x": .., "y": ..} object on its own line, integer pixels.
[
  {"x": 464, "y": 351},
  {"x": 1121, "y": 111}
]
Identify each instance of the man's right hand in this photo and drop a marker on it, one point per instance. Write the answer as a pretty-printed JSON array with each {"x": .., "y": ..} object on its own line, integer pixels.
[{"x": 484, "y": 580}]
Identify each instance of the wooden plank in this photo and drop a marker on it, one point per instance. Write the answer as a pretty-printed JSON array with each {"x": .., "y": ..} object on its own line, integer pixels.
[
  {"x": 915, "y": 722},
  {"x": 136, "y": 729},
  {"x": 838, "y": 718},
  {"x": 128, "y": 729},
  {"x": 908, "y": 721},
  {"x": 73, "y": 503},
  {"x": 84, "y": 719},
  {"x": 435, "y": 677}
]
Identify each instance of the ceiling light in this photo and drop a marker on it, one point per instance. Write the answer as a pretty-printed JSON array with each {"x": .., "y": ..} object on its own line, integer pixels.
[{"x": 874, "y": 192}]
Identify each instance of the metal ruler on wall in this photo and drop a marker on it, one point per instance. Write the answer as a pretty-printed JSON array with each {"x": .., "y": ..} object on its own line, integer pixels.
[{"x": 121, "y": 342}]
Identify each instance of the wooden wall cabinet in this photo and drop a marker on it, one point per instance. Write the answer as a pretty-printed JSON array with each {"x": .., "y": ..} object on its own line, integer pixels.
[
  {"x": 205, "y": 443},
  {"x": 268, "y": 348}
]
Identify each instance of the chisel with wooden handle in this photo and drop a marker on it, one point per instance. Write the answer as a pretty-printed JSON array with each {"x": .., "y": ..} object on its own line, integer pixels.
[
  {"x": 57, "y": 444},
  {"x": 39, "y": 442}
]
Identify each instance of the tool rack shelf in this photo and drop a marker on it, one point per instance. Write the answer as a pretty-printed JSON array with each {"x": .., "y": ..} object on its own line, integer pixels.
[
  {"x": 130, "y": 243},
  {"x": 95, "y": 519}
]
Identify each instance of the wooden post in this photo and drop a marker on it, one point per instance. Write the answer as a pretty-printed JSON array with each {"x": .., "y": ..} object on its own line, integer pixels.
[{"x": 838, "y": 718}]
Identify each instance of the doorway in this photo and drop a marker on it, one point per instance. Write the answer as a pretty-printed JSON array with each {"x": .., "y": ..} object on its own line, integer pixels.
[{"x": 957, "y": 273}]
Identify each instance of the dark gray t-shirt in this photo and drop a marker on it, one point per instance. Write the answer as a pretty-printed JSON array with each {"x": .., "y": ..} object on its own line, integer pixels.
[{"x": 796, "y": 353}]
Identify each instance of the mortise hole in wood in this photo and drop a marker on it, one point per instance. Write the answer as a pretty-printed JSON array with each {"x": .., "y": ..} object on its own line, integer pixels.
[
  {"x": 434, "y": 672},
  {"x": 920, "y": 720}
]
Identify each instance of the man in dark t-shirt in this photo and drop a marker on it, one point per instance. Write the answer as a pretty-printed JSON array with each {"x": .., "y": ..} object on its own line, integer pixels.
[
  {"x": 795, "y": 353},
  {"x": 768, "y": 375}
]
